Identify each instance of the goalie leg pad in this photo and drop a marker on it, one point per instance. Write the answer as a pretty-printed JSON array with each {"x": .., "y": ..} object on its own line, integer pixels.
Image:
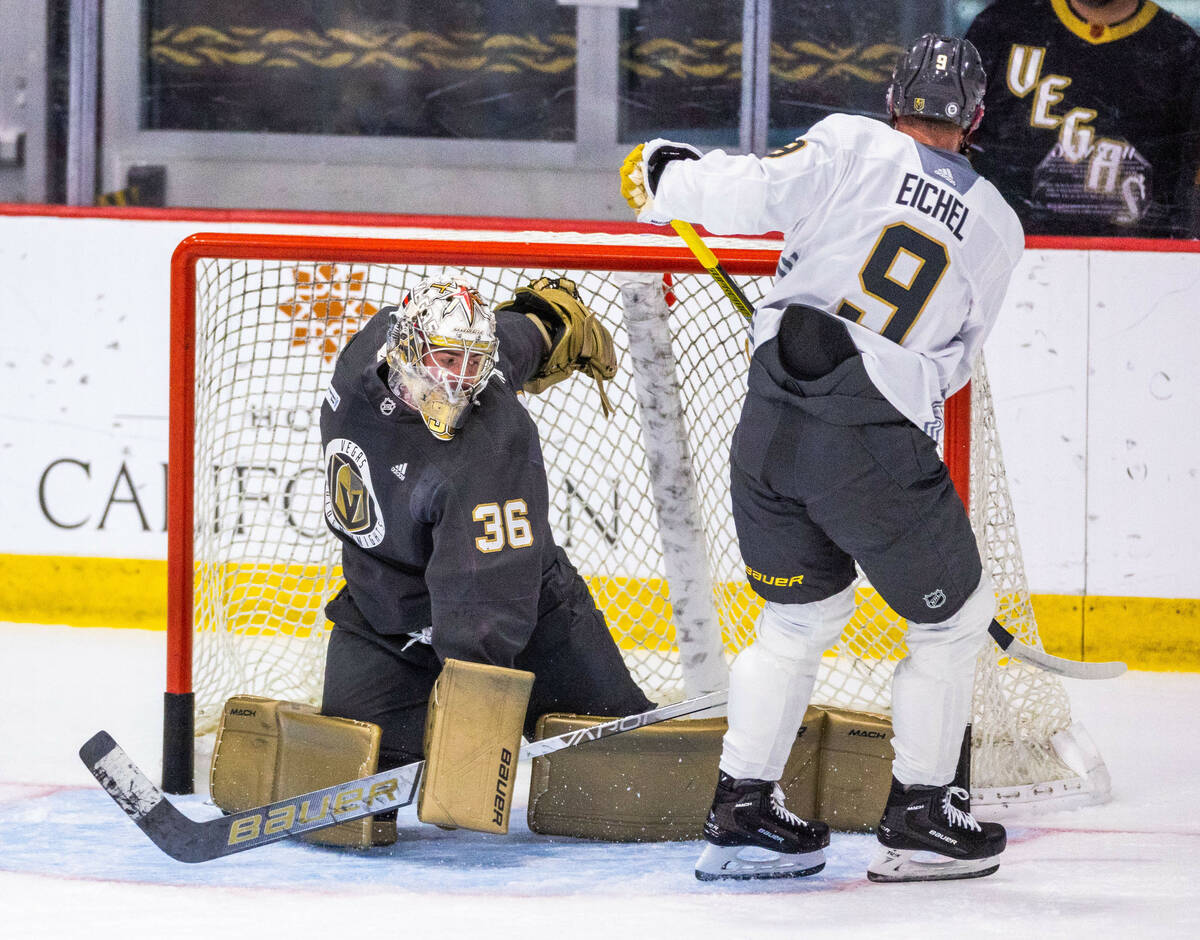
[
  {"x": 855, "y": 769},
  {"x": 654, "y": 784},
  {"x": 246, "y": 752},
  {"x": 317, "y": 751},
  {"x": 267, "y": 750},
  {"x": 472, "y": 738}
]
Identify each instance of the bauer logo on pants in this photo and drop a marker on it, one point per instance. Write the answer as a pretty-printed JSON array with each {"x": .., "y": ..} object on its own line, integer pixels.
[{"x": 350, "y": 503}]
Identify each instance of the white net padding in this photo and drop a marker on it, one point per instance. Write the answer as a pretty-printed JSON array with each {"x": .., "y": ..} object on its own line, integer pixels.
[{"x": 267, "y": 334}]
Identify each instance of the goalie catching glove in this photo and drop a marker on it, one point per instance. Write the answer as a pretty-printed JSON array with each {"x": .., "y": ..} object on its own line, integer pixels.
[{"x": 575, "y": 338}]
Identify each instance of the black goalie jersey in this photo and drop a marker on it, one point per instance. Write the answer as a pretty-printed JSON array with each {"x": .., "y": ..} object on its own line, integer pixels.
[
  {"x": 452, "y": 533},
  {"x": 1090, "y": 130}
]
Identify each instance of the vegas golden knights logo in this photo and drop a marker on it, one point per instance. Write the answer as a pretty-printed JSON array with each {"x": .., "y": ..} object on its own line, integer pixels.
[{"x": 350, "y": 503}]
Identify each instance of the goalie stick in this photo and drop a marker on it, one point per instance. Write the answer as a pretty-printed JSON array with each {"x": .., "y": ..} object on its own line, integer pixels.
[
  {"x": 1005, "y": 639},
  {"x": 189, "y": 840}
]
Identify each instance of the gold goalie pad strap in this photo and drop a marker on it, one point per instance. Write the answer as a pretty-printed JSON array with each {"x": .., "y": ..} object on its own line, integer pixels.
[
  {"x": 267, "y": 750},
  {"x": 472, "y": 738},
  {"x": 654, "y": 784},
  {"x": 855, "y": 769}
]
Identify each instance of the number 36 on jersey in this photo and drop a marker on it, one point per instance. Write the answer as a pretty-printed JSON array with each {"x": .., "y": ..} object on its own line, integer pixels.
[{"x": 503, "y": 524}]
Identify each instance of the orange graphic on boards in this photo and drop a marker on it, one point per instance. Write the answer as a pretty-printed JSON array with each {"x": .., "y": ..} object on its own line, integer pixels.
[{"x": 328, "y": 307}]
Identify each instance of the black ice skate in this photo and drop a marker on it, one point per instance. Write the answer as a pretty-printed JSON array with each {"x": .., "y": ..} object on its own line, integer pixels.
[
  {"x": 751, "y": 834},
  {"x": 927, "y": 835}
]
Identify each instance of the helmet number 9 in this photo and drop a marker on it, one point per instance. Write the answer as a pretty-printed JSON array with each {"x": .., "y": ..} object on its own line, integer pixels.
[
  {"x": 503, "y": 525},
  {"x": 942, "y": 62}
]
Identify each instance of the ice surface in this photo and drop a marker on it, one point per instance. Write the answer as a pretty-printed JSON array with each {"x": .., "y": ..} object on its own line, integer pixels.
[{"x": 72, "y": 865}]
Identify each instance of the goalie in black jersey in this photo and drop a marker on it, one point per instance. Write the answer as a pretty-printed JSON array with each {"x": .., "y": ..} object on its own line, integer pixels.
[{"x": 436, "y": 488}]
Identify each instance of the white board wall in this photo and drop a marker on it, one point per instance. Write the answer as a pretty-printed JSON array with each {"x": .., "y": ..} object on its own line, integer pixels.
[{"x": 1093, "y": 367}]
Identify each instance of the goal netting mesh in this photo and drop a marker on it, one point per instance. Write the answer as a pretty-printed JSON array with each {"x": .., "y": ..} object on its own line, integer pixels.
[{"x": 266, "y": 335}]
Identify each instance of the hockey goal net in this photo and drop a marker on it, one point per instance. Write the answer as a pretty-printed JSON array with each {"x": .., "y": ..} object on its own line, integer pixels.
[{"x": 639, "y": 501}]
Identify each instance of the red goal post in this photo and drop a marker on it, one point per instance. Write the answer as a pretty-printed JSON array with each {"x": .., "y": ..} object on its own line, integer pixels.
[
  {"x": 225, "y": 283},
  {"x": 562, "y": 254}
]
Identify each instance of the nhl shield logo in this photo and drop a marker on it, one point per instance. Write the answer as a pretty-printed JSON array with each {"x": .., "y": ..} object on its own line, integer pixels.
[{"x": 935, "y": 599}]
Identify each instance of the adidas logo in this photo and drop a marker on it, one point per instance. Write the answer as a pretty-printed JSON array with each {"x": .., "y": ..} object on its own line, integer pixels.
[
  {"x": 945, "y": 173},
  {"x": 399, "y": 470}
]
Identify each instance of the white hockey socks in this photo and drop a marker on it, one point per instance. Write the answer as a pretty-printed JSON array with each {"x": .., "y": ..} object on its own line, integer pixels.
[
  {"x": 931, "y": 690},
  {"x": 772, "y": 680}
]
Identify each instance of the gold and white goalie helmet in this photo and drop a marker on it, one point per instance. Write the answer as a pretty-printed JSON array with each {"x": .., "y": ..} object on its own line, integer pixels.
[{"x": 441, "y": 350}]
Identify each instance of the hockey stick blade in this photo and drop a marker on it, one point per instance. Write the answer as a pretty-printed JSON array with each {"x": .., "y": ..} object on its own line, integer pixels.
[
  {"x": 1071, "y": 668},
  {"x": 189, "y": 840}
]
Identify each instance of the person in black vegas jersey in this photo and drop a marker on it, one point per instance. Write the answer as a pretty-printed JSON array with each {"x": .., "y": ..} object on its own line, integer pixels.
[
  {"x": 436, "y": 488},
  {"x": 1093, "y": 116}
]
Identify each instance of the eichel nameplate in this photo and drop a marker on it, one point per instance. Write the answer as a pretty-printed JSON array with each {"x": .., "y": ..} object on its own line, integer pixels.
[{"x": 651, "y": 785}]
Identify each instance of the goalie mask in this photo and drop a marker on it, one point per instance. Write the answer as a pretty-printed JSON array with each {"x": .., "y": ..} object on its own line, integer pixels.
[
  {"x": 940, "y": 78},
  {"x": 441, "y": 350}
]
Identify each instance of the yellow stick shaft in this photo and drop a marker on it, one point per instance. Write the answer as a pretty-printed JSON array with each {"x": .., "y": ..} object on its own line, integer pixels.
[{"x": 710, "y": 264}]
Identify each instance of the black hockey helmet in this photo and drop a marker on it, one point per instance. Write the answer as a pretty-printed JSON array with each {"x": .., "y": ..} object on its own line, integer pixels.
[{"x": 940, "y": 78}]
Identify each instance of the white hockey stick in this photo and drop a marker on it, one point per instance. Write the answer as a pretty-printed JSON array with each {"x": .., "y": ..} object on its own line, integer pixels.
[{"x": 1071, "y": 668}]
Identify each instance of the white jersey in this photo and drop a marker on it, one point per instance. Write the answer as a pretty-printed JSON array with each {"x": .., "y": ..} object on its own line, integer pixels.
[{"x": 906, "y": 242}]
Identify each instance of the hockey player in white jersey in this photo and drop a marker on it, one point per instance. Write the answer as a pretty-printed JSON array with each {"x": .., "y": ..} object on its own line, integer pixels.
[{"x": 896, "y": 259}]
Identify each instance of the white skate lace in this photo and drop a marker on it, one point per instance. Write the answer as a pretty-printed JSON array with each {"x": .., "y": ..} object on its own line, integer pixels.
[
  {"x": 782, "y": 811},
  {"x": 954, "y": 815}
]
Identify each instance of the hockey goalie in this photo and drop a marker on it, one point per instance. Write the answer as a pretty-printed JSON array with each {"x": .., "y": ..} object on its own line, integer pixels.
[{"x": 461, "y": 620}]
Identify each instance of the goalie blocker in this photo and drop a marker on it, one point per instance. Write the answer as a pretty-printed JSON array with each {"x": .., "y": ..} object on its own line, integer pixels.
[{"x": 472, "y": 737}]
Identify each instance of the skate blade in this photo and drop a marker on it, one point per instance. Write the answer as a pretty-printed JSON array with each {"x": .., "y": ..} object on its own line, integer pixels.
[
  {"x": 743, "y": 862},
  {"x": 892, "y": 865}
]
